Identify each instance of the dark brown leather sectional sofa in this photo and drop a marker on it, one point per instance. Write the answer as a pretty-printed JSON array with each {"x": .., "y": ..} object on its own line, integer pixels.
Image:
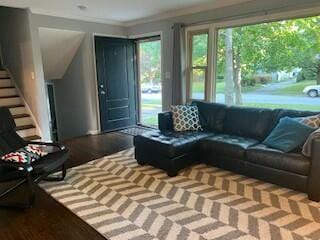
[{"x": 232, "y": 140}]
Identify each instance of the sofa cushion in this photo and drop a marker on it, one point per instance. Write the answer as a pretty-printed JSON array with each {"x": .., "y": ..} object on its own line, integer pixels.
[
  {"x": 170, "y": 144},
  {"x": 311, "y": 121},
  {"x": 25, "y": 155},
  {"x": 185, "y": 118},
  {"x": 248, "y": 122},
  {"x": 281, "y": 113},
  {"x": 165, "y": 121},
  {"x": 288, "y": 135},
  {"x": 211, "y": 115},
  {"x": 290, "y": 162},
  {"x": 227, "y": 145}
]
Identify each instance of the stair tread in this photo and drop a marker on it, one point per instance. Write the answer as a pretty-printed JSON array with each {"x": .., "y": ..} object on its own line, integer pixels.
[
  {"x": 10, "y": 96},
  {"x": 21, "y": 115},
  {"x": 30, "y": 138},
  {"x": 14, "y": 106},
  {"x": 25, "y": 127},
  {"x": 9, "y": 87}
]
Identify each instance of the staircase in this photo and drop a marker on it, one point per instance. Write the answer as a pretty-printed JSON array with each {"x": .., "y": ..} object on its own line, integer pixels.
[{"x": 10, "y": 98}]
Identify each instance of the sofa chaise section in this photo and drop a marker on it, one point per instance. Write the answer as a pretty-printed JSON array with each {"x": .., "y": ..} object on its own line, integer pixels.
[{"x": 232, "y": 139}]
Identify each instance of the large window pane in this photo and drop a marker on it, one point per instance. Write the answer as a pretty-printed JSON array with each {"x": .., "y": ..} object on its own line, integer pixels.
[
  {"x": 150, "y": 81},
  {"x": 198, "y": 64},
  {"x": 198, "y": 84},
  {"x": 199, "y": 50},
  {"x": 272, "y": 65}
]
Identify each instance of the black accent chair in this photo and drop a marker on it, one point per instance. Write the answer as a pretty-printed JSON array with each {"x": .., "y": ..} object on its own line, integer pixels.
[{"x": 26, "y": 174}]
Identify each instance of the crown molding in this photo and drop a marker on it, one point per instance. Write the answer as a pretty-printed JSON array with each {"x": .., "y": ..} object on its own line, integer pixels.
[
  {"x": 77, "y": 17},
  {"x": 152, "y": 18},
  {"x": 186, "y": 11}
]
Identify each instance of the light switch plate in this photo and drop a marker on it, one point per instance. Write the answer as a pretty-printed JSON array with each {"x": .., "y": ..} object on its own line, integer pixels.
[{"x": 168, "y": 75}]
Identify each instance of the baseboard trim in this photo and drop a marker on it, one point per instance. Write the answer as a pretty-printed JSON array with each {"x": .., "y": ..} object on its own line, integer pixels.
[{"x": 93, "y": 132}]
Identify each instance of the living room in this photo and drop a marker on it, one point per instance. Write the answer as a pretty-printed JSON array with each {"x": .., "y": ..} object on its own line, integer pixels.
[{"x": 156, "y": 119}]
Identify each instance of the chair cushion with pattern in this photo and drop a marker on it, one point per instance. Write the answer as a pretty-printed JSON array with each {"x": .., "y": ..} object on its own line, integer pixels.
[{"x": 24, "y": 155}]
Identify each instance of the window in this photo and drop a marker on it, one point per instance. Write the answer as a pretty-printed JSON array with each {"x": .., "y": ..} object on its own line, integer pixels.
[
  {"x": 254, "y": 63},
  {"x": 270, "y": 65},
  {"x": 150, "y": 84},
  {"x": 198, "y": 65}
]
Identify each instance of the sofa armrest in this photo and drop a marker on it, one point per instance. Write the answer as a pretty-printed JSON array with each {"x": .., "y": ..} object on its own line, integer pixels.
[
  {"x": 165, "y": 121},
  {"x": 314, "y": 175}
]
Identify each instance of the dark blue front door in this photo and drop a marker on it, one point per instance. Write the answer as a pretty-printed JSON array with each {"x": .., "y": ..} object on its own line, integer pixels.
[{"x": 116, "y": 82}]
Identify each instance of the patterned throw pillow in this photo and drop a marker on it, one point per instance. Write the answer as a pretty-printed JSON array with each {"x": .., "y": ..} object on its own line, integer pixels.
[
  {"x": 27, "y": 154},
  {"x": 311, "y": 121},
  {"x": 185, "y": 118}
]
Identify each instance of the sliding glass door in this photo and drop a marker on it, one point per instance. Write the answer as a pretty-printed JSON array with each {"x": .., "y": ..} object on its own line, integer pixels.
[{"x": 150, "y": 84}]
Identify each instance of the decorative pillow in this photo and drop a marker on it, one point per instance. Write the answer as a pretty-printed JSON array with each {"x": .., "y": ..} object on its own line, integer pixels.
[
  {"x": 311, "y": 121},
  {"x": 307, "y": 147},
  {"x": 27, "y": 154},
  {"x": 288, "y": 135},
  {"x": 185, "y": 118}
]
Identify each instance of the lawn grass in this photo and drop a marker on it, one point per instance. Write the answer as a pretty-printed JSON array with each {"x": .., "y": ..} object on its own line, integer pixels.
[
  {"x": 220, "y": 88},
  {"x": 150, "y": 105},
  {"x": 302, "y": 107},
  {"x": 295, "y": 88},
  {"x": 150, "y": 121}
]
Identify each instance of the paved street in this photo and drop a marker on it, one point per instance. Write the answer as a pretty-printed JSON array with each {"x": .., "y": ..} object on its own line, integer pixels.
[
  {"x": 261, "y": 97},
  {"x": 275, "y": 99}
]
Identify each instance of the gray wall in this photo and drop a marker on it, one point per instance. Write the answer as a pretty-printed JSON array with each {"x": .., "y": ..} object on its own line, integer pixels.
[
  {"x": 213, "y": 16},
  {"x": 76, "y": 99},
  {"x": 72, "y": 105},
  {"x": 18, "y": 54}
]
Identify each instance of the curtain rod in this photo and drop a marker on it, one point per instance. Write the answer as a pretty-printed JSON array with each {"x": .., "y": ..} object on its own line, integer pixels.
[{"x": 250, "y": 14}]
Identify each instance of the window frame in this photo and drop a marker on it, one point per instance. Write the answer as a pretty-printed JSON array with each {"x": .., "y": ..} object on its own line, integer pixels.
[
  {"x": 138, "y": 43},
  {"x": 213, "y": 30},
  {"x": 190, "y": 34}
]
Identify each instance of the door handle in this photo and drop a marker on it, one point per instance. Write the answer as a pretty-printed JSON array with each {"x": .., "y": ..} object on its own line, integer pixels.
[{"x": 102, "y": 91}]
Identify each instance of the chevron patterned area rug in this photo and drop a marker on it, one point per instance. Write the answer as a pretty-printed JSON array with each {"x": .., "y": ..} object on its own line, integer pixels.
[{"x": 125, "y": 201}]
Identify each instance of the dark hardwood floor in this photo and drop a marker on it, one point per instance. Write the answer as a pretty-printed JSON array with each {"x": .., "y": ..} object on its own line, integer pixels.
[{"x": 48, "y": 219}]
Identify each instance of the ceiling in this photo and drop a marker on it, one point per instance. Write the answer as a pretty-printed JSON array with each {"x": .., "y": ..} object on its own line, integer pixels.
[
  {"x": 55, "y": 62},
  {"x": 121, "y": 12}
]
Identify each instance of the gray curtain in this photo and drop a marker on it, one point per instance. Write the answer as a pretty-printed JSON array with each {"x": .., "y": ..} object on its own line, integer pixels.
[{"x": 179, "y": 66}]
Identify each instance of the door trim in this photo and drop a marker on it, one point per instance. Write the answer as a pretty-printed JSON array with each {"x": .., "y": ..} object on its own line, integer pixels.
[
  {"x": 138, "y": 81},
  {"x": 55, "y": 106},
  {"x": 150, "y": 35}
]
